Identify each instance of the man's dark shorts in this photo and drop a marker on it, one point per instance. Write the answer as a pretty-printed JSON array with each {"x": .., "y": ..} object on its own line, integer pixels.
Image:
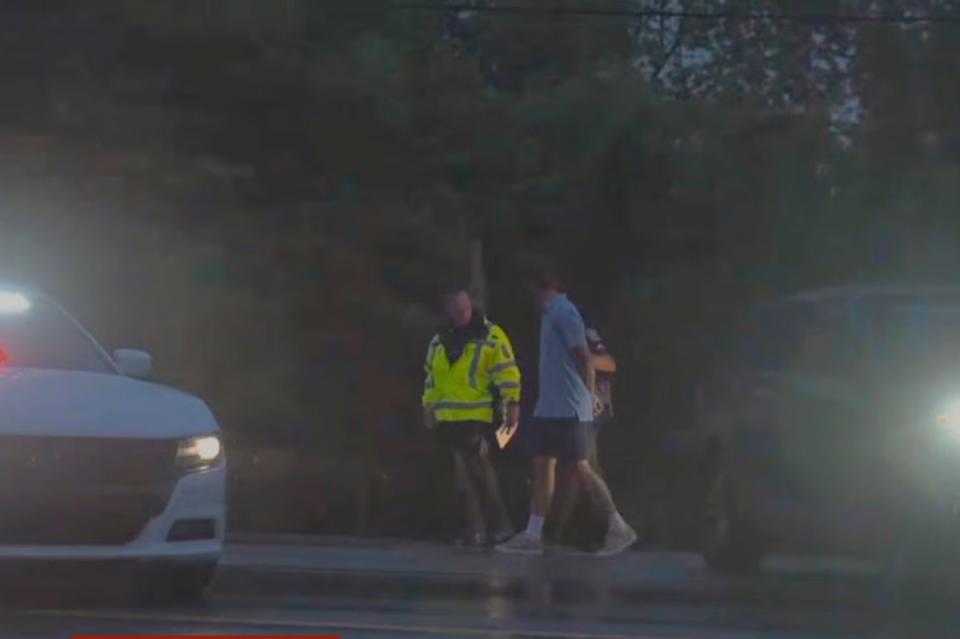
[
  {"x": 567, "y": 440},
  {"x": 465, "y": 437}
]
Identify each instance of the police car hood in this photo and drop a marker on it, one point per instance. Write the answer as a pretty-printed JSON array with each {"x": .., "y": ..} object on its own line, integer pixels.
[{"x": 82, "y": 404}]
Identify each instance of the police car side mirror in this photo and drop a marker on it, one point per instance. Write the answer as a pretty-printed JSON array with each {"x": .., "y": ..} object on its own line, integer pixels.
[{"x": 133, "y": 363}]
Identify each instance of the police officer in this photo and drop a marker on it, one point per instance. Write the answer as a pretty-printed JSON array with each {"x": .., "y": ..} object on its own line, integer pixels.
[{"x": 470, "y": 366}]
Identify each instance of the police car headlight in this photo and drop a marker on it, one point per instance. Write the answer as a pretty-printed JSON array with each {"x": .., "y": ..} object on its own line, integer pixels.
[
  {"x": 948, "y": 419},
  {"x": 199, "y": 453}
]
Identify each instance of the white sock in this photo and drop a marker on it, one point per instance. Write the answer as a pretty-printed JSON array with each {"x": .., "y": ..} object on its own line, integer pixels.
[{"x": 535, "y": 527}]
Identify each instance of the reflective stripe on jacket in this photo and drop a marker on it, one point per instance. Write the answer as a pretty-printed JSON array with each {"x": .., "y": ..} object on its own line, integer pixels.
[{"x": 465, "y": 390}]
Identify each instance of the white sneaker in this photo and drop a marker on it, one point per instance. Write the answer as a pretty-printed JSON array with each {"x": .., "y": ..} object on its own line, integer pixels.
[
  {"x": 618, "y": 540},
  {"x": 521, "y": 544}
]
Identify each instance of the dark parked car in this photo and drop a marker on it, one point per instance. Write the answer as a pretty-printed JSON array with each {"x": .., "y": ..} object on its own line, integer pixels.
[{"x": 831, "y": 420}]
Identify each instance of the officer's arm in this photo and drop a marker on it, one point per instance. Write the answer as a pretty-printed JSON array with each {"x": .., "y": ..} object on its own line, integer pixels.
[
  {"x": 429, "y": 417},
  {"x": 429, "y": 397},
  {"x": 506, "y": 377}
]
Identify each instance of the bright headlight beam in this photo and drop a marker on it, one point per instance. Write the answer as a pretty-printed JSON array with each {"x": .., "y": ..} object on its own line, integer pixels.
[
  {"x": 207, "y": 448},
  {"x": 198, "y": 452},
  {"x": 12, "y": 302},
  {"x": 949, "y": 419}
]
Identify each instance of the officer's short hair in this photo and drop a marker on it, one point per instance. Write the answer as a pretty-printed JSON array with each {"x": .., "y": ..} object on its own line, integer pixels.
[{"x": 454, "y": 289}]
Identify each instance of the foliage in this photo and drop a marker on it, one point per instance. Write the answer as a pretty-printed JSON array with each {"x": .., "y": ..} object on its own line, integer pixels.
[{"x": 273, "y": 215}]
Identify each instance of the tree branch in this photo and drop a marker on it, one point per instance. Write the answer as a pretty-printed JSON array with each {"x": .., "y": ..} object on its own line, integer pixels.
[{"x": 673, "y": 49}]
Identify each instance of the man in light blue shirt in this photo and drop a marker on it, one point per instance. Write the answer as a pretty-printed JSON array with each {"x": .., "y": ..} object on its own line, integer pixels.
[
  {"x": 563, "y": 415},
  {"x": 563, "y": 387}
]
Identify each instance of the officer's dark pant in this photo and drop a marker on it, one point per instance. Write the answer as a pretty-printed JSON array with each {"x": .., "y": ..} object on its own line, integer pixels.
[{"x": 476, "y": 477}]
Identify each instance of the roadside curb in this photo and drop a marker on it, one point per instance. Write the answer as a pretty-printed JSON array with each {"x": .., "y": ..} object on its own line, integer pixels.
[
  {"x": 239, "y": 578},
  {"x": 325, "y": 566},
  {"x": 271, "y": 539},
  {"x": 327, "y": 541}
]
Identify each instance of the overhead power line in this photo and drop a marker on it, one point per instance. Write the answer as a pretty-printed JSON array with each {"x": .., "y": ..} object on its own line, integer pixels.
[{"x": 542, "y": 11}]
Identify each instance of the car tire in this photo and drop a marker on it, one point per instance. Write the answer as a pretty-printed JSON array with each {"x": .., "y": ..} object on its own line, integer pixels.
[
  {"x": 176, "y": 583},
  {"x": 728, "y": 543}
]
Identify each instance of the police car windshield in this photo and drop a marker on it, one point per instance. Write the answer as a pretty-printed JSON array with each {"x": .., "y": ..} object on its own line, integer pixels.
[{"x": 40, "y": 335}]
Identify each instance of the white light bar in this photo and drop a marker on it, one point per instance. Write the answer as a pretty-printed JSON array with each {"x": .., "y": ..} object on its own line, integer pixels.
[{"x": 13, "y": 302}]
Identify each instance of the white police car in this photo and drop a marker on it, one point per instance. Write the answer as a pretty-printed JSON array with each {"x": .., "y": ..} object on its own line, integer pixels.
[{"x": 96, "y": 465}]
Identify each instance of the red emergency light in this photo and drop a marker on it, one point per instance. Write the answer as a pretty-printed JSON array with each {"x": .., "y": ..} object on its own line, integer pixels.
[{"x": 4, "y": 358}]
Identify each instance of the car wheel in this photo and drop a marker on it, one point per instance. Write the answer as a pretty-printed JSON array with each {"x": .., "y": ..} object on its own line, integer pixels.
[
  {"x": 729, "y": 545},
  {"x": 176, "y": 583}
]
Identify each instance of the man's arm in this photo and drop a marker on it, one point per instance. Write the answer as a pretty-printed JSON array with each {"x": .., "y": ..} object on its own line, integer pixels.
[
  {"x": 575, "y": 337},
  {"x": 587, "y": 372}
]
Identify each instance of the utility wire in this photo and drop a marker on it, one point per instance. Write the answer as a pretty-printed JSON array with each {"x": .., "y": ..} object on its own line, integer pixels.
[{"x": 740, "y": 16}]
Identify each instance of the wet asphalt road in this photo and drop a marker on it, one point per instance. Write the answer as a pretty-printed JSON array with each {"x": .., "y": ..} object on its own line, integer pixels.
[{"x": 255, "y": 593}]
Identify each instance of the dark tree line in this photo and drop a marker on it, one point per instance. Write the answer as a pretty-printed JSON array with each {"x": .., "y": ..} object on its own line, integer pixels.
[{"x": 271, "y": 206}]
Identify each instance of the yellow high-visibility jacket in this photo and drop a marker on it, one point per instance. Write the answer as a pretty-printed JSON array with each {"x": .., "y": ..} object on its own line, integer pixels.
[{"x": 464, "y": 390}]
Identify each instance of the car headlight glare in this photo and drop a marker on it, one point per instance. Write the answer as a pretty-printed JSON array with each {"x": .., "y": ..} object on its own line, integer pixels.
[
  {"x": 950, "y": 425},
  {"x": 948, "y": 418},
  {"x": 201, "y": 452}
]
